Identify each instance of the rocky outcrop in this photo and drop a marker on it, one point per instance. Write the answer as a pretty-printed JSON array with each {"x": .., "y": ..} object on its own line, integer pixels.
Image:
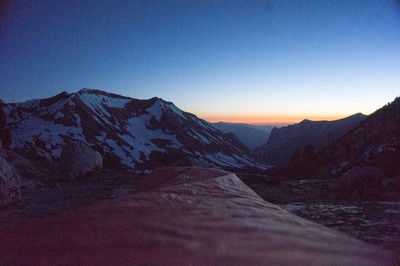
[
  {"x": 10, "y": 183},
  {"x": 78, "y": 159},
  {"x": 184, "y": 216},
  {"x": 369, "y": 184},
  {"x": 24, "y": 167},
  {"x": 362, "y": 178},
  {"x": 284, "y": 141}
]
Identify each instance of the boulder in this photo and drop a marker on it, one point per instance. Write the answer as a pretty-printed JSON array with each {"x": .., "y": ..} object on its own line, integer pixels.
[
  {"x": 78, "y": 159},
  {"x": 362, "y": 178},
  {"x": 42, "y": 160},
  {"x": 23, "y": 166},
  {"x": 10, "y": 183}
]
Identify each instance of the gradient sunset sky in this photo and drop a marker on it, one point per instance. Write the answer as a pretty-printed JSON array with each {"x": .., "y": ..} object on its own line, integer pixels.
[{"x": 237, "y": 61}]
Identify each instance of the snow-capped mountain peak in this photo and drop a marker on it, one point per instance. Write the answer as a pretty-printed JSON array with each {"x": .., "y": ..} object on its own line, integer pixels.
[{"x": 133, "y": 133}]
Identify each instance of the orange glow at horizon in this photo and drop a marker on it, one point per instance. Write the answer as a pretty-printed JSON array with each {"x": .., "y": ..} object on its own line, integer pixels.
[{"x": 268, "y": 119}]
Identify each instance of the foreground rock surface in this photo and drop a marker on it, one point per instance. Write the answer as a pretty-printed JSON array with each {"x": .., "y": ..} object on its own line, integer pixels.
[
  {"x": 78, "y": 159},
  {"x": 184, "y": 216}
]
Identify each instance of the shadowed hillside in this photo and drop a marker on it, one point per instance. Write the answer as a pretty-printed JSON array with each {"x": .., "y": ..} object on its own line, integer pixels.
[
  {"x": 250, "y": 135},
  {"x": 374, "y": 142},
  {"x": 284, "y": 141}
]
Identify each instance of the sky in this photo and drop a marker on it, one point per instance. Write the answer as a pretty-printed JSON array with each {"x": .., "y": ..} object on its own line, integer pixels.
[{"x": 264, "y": 62}]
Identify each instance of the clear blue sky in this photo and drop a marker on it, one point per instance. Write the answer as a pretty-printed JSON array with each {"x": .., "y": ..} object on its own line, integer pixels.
[{"x": 242, "y": 61}]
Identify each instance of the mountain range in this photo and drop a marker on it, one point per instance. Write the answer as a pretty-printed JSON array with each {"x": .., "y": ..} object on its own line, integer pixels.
[
  {"x": 250, "y": 135},
  {"x": 283, "y": 141},
  {"x": 131, "y": 133},
  {"x": 374, "y": 142}
]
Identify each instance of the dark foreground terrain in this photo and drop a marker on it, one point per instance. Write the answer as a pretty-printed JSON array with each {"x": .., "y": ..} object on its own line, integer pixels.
[
  {"x": 182, "y": 216},
  {"x": 375, "y": 222},
  {"x": 56, "y": 197}
]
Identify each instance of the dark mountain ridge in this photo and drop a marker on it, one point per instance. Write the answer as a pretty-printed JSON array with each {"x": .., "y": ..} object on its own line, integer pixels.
[
  {"x": 283, "y": 141},
  {"x": 374, "y": 142},
  {"x": 250, "y": 135}
]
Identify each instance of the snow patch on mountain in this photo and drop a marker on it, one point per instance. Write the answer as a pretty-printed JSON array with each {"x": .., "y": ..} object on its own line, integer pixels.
[
  {"x": 138, "y": 127},
  {"x": 119, "y": 151},
  {"x": 98, "y": 103},
  {"x": 176, "y": 110},
  {"x": 156, "y": 110},
  {"x": 50, "y": 133},
  {"x": 200, "y": 137},
  {"x": 222, "y": 159}
]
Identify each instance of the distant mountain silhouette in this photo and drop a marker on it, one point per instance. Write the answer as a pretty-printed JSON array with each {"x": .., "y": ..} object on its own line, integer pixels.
[
  {"x": 284, "y": 141},
  {"x": 132, "y": 133},
  {"x": 374, "y": 142},
  {"x": 250, "y": 135}
]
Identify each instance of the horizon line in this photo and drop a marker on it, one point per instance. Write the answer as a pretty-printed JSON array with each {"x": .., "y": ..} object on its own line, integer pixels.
[{"x": 275, "y": 121}]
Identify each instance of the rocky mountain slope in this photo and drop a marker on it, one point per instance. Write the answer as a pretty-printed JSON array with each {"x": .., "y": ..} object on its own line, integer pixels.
[
  {"x": 374, "y": 142},
  {"x": 137, "y": 134},
  {"x": 250, "y": 135},
  {"x": 285, "y": 140}
]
